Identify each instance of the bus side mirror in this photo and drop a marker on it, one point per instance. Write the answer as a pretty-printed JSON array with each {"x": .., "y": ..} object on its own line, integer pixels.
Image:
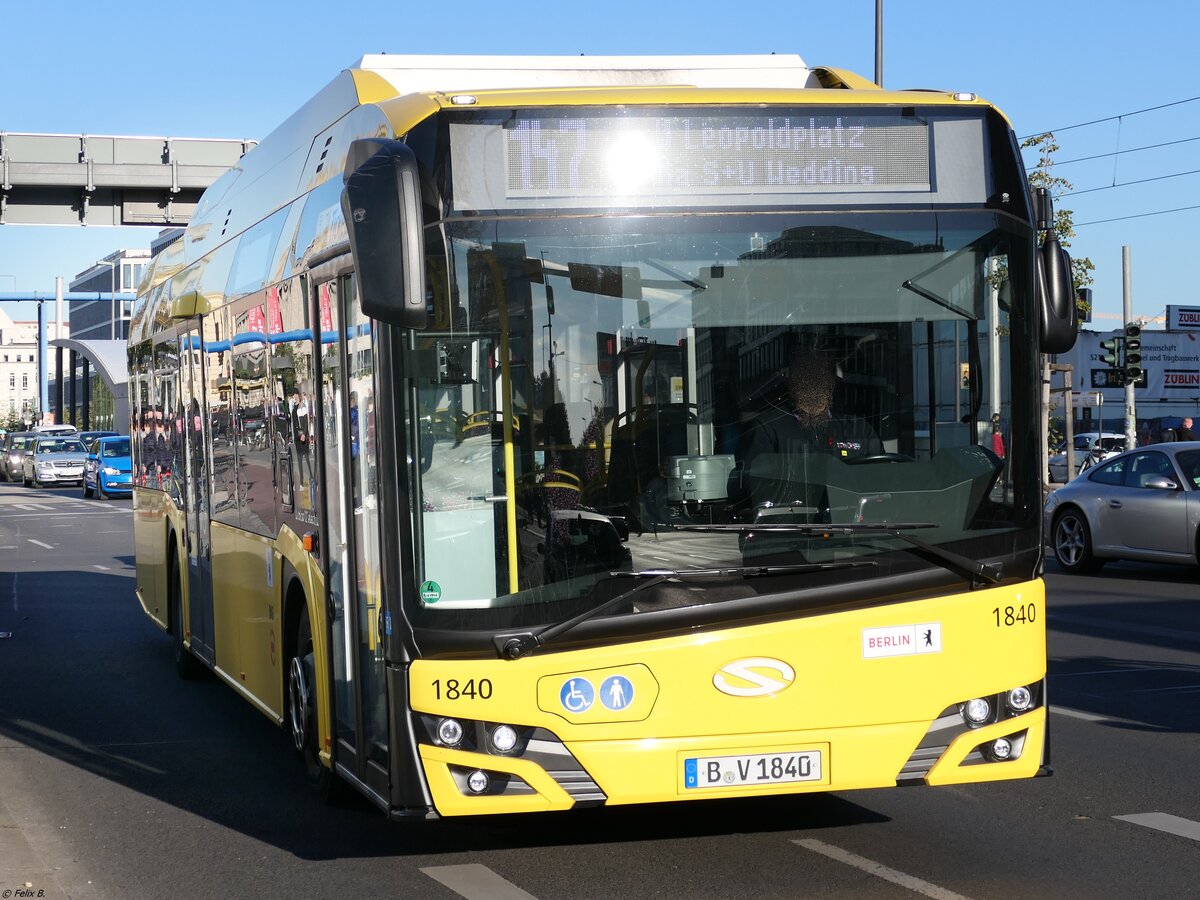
[
  {"x": 381, "y": 202},
  {"x": 1058, "y": 324}
]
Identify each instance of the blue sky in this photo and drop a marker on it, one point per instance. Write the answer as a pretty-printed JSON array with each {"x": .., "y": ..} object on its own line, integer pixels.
[{"x": 235, "y": 70}]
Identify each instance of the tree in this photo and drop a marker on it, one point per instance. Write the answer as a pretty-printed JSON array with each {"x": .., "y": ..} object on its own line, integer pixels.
[{"x": 1042, "y": 176}]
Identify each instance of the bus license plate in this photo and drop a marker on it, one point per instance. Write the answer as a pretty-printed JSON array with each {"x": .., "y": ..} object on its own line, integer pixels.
[{"x": 752, "y": 769}]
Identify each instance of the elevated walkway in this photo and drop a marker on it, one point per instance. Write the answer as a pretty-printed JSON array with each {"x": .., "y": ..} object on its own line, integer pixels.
[{"x": 87, "y": 179}]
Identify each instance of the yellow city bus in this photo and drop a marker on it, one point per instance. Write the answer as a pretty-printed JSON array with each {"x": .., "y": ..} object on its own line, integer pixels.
[{"x": 530, "y": 433}]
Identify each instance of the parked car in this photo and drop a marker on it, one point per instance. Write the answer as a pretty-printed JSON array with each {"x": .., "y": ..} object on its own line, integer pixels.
[
  {"x": 107, "y": 471},
  {"x": 54, "y": 459},
  {"x": 1142, "y": 504},
  {"x": 15, "y": 445},
  {"x": 1107, "y": 442}
]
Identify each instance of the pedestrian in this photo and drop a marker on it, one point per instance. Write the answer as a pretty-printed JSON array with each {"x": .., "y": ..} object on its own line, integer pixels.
[
  {"x": 301, "y": 436},
  {"x": 997, "y": 436},
  {"x": 1185, "y": 430}
]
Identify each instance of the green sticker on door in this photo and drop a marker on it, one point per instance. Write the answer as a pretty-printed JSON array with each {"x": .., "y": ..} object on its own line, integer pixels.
[{"x": 431, "y": 592}]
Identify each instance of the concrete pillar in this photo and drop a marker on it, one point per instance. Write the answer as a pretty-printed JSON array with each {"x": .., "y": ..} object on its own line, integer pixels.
[
  {"x": 72, "y": 397},
  {"x": 86, "y": 382},
  {"x": 58, "y": 385}
]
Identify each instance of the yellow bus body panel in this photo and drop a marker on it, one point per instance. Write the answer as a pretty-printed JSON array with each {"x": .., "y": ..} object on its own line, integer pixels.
[
  {"x": 226, "y": 590},
  {"x": 866, "y": 713},
  {"x": 452, "y": 802},
  {"x": 246, "y": 616},
  {"x": 151, "y": 526}
]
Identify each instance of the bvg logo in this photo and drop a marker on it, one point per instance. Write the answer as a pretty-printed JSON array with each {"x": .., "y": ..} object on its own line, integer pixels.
[{"x": 753, "y": 677}]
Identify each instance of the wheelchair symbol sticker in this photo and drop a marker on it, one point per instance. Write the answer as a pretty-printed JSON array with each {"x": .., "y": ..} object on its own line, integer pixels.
[
  {"x": 576, "y": 695},
  {"x": 616, "y": 692}
]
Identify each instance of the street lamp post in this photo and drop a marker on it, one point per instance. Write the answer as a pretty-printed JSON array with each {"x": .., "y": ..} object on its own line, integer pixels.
[{"x": 112, "y": 293}]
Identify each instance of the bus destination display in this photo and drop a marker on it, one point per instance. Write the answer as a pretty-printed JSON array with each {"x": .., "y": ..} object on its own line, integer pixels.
[{"x": 670, "y": 155}]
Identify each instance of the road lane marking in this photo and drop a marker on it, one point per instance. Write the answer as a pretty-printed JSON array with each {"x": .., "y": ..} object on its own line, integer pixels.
[
  {"x": 1078, "y": 714},
  {"x": 63, "y": 513},
  {"x": 476, "y": 882},
  {"x": 40, "y": 543},
  {"x": 1123, "y": 627},
  {"x": 1165, "y": 822},
  {"x": 911, "y": 882},
  {"x": 1092, "y": 717},
  {"x": 1132, "y": 671},
  {"x": 1178, "y": 689}
]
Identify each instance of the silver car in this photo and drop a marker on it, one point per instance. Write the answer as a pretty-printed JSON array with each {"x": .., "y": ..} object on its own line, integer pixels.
[
  {"x": 1143, "y": 504},
  {"x": 54, "y": 460}
]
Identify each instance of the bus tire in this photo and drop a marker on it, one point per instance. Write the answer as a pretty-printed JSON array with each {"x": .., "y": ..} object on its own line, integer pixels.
[
  {"x": 302, "y": 712},
  {"x": 186, "y": 665}
]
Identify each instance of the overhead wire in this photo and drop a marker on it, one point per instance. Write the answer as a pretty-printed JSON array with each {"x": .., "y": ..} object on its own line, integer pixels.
[
  {"x": 1135, "y": 112},
  {"x": 1128, "y": 150},
  {"x": 1109, "y": 187},
  {"x": 1160, "y": 212},
  {"x": 1116, "y": 154}
]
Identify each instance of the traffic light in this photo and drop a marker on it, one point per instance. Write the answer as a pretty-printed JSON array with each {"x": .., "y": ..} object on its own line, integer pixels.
[
  {"x": 1083, "y": 299},
  {"x": 1133, "y": 353},
  {"x": 1114, "y": 356}
]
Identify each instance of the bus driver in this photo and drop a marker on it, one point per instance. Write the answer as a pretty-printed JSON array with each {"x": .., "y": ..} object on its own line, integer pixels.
[{"x": 799, "y": 426}]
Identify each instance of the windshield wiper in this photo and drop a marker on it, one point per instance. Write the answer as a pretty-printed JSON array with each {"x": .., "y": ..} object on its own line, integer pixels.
[
  {"x": 514, "y": 646},
  {"x": 976, "y": 573}
]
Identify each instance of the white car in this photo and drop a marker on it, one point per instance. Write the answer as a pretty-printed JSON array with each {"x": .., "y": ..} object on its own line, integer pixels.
[
  {"x": 54, "y": 459},
  {"x": 1100, "y": 445}
]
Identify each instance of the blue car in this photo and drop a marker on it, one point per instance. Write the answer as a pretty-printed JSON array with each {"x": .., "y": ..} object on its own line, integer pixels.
[{"x": 108, "y": 467}]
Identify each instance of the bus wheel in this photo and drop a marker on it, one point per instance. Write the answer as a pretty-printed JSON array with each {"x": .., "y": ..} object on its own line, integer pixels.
[
  {"x": 302, "y": 713},
  {"x": 186, "y": 665}
]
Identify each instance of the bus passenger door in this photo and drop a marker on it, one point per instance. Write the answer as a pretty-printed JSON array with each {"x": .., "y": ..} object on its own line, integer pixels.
[
  {"x": 347, "y": 408},
  {"x": 199, "y": 547}
]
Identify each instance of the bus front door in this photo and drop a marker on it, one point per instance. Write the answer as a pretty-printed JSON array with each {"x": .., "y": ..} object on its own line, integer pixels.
[
  {"x": 352, "y": 520},
  {"x": 195, "y": 425}
]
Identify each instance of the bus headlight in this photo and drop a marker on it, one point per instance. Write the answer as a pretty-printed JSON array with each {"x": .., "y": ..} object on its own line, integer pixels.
[
  {"x": 450, "y": 732},
  {"x": 977, "y": 711},
  {"x": 1001, "y": 748},
  {"x": 504, "y": 738},
  {"x": 478, "y": 781},
  {"x": 1020, "y": 699}
]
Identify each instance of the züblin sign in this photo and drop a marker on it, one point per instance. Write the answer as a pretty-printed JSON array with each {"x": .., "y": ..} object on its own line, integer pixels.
[{"x": 1183, "y": 318}]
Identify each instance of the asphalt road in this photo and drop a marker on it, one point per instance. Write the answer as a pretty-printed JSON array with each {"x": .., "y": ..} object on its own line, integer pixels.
[{"x": 117, "y": 780}]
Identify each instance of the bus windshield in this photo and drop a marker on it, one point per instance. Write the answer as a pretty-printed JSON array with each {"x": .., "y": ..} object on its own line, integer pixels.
[{"x": 590, "y": 389}]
